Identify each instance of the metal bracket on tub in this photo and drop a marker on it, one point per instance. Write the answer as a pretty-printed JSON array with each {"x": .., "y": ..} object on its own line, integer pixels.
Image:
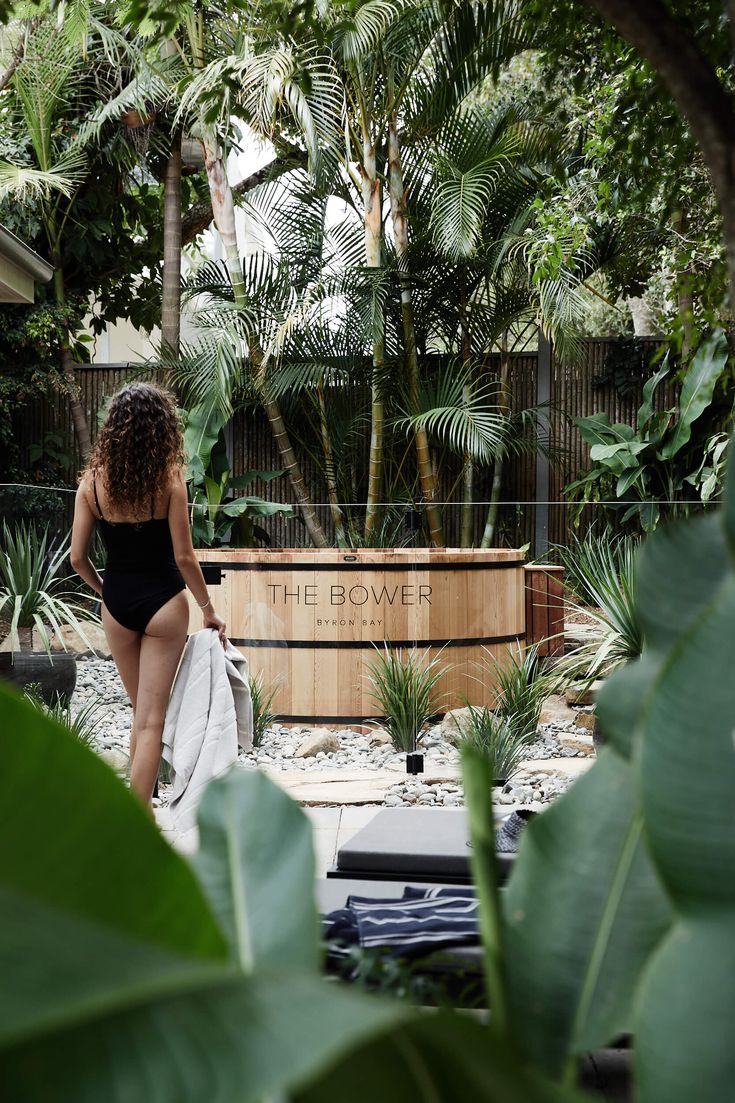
[{"x": 212, "y": 573}]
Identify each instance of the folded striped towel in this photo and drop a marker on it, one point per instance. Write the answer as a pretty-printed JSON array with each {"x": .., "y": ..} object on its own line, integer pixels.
[{"x": 420, "y": 921}]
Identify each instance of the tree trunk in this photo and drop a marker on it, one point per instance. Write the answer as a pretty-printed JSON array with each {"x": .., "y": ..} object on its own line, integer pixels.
[
  {"x": 329, "y": 472},
  {"x": 644, "y": 324},
  {"x": 468, "y": 466},
  {"x": 372, "y": 198},
  {"x": 223, "y": 210},
  {"x": 504, "y": 402},
  {"x": 171, "y": 279},
  {"x": 400, "y": 234},
  {"x": 78, "y": 417},
  {"x": 293, "y": 470},
  {"x": 200, "y": 214}
]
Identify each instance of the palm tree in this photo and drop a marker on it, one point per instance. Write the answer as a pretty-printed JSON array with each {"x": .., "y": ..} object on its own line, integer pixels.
[
  {"x": 57, "y": 79},
  {"x": 209, "y": 46}
]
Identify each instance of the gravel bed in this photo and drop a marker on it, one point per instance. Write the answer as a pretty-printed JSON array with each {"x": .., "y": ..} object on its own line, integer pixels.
[{"x": 98, "y": 681}]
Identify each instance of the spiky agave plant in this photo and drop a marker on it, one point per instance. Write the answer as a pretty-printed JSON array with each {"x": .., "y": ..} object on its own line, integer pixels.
[
  {"x": 33, "y": 591},
  {"x": 599, "y": 571}
]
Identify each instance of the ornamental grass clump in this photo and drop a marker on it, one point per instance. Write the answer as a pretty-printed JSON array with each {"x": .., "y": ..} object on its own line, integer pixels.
[
  {"x": 404, "y": 686},
  {"x": 522, "y": 686},
  {"x": 261, "y": 696},
  {"x": 499, "y": 737},
  {"x": 33, "y": 590},
  {"x": 83, "y": 724}
]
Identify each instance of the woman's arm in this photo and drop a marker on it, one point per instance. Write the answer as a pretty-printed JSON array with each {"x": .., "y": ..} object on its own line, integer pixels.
[
  {"x": 186, "y": 560},
  {"x": 81, "y": 537}
]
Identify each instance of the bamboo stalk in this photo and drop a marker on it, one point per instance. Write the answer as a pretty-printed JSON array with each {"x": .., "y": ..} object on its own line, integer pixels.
[
  {"x": 468, "y": 467},
  {"x": 78, "y": 417},
  {"x": 329, "y": 471}
]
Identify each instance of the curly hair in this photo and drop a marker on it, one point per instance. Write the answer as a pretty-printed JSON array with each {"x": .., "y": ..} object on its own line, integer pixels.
[{"x": 137, "y": 447}]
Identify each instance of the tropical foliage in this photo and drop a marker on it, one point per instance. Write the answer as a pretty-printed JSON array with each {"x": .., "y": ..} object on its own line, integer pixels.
[
  {"x": 600, "y": 571},
  {"x": 660, "y": 462},
  {"x": 619, "y": 900},
  {"x": 404, "y": 687},
  {"x": 35, "y": 591}
]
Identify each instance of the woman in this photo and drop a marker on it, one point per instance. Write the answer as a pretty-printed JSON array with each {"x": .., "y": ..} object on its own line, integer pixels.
[{"x": 133, "y": 488}]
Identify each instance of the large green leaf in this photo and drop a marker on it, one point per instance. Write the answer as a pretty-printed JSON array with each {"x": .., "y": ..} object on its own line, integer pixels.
[
  {"x": 629, "y": 478},
  {"x": 75, "y": 840},
  {"x": 597, "y": 429},
  {"x": 583, "y": 912},
  {"x": 645, "y": 411},
  {"x": 203, "y": 424},
  {"x": 245, "y": 1039},
  {"x": 697, "y": 390},
  {"x": 240, "y": 482},
  {"x": 256, "y": 507},
  {"x": 256, "y": 863},
  {"x": 681, "y": 702},
  {"x": 441, "y": 1058},
  {"x": 618, "y": 457},
  {"x": 115, "y": 981}
]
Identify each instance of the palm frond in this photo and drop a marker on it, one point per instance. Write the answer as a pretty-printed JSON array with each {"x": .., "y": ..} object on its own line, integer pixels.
[
  {"x": 363, "y": 31},
  {"x": 28, "y": 184},
  {"x": 461, "y": 201},
  {"x": 463, "y": 415}
]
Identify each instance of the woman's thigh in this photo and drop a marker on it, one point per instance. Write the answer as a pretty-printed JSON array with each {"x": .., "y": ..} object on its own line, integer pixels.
[
  {"x": 125, "y": 650},
  {"x": 160, "y": 651}
]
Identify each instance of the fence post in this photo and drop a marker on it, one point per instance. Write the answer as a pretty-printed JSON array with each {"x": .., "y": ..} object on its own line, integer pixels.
[{"x": 543, "y": 481}]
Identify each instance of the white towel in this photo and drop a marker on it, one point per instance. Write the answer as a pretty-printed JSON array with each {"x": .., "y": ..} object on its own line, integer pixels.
[{"x": 209, "y": 713}]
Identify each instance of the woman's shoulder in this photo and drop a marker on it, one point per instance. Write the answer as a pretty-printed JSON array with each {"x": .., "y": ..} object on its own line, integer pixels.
[
  {"x": 86, "y": 479},
  {"x": 177, "y": 479}
]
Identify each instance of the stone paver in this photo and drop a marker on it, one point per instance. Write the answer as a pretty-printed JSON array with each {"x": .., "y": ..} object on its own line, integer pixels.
[
  {"x": 350, "y": 787},
  {"x": 569, "y": 767}
]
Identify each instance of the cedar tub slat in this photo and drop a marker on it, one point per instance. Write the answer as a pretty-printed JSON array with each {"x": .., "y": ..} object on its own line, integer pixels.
[{"x": 311, "y": 619}]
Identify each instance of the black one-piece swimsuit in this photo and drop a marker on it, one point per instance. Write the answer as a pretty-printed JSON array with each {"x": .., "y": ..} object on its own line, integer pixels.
[{"x": 140, "y": 573}]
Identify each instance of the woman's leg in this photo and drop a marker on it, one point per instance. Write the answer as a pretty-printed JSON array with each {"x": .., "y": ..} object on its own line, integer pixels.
[
  {"x": 160, "y": 651},
  {"x": 125, "y": 650}
]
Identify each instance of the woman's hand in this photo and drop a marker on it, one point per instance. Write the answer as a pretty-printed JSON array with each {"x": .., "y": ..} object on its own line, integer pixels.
[{"x": 211, "y": 620}]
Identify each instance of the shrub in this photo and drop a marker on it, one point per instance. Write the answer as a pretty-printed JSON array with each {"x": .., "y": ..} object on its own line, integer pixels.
[
  {"x": 522, "y": 688},
  {"x": 83, "y": 724},
  {"x": 404, "y": 688},
  {"x": 261, "y": 695},
  {"x": 499, "y": 737},
  {"x": 600, "y": 570}
]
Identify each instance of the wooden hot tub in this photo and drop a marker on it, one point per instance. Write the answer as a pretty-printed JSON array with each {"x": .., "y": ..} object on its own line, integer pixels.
[{"x": 310, "y": 619}]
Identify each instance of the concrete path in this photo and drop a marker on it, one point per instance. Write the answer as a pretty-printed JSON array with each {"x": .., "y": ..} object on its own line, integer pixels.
[{"x": 332, "y": 827}]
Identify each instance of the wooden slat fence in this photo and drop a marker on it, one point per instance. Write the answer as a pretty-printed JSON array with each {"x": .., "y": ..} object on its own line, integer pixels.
[{"x": 575, "y": 392}]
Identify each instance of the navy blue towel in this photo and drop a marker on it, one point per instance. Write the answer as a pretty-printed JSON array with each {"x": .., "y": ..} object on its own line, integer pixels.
[{"x": 420, "y": 921}]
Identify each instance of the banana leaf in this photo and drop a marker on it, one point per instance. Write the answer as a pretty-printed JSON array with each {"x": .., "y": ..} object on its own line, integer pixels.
[
  {"x": 697, "y": 390},
  {"x": 115, "y": 976}
]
